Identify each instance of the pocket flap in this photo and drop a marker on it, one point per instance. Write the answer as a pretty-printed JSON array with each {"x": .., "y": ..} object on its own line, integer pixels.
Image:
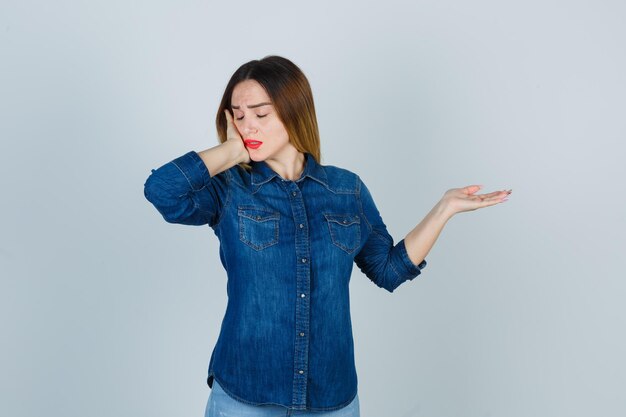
[
  {"x": 342, "y": 219},
  {"x": 258, "y": 214}
]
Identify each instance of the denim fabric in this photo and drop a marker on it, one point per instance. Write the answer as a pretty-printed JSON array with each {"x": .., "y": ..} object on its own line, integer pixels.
[{"x": 288, "y": 248}]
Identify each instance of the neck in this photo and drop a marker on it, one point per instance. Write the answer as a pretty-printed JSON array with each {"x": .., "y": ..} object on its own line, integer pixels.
[{"x": 290, "y": 166}]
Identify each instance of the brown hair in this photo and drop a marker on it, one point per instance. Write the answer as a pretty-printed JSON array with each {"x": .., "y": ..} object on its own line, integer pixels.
[{"x": 291, "y": 95}]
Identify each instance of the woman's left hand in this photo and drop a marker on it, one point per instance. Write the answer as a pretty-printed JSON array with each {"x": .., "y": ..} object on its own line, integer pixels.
[{"x": 457, "y": 200}]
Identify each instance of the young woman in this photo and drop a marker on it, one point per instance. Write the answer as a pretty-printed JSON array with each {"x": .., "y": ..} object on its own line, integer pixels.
[{"x": 290, "y": 230}]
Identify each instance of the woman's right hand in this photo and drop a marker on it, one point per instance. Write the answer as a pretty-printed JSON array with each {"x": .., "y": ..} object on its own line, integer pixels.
[{"x": 233, "y": 137}]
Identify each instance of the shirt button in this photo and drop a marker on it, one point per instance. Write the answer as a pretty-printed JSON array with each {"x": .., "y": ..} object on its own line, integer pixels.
[
  {"x": 300, "y": 371},
  {"x": 303, "y": 260},
  {"x": 301, "y": 225},
  {"x": 301, "y": 334},
  {"x": 302, "y": 295},
  {"x": 294, "y": 193}
]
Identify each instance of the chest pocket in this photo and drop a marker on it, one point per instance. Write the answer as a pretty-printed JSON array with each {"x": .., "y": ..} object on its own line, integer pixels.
[
  {"x": 258, "y": 226},
  {"x": 345, "y": 230}
]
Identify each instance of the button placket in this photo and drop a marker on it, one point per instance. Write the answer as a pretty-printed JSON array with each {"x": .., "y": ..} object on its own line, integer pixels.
[{"x": 303, "y": 285}]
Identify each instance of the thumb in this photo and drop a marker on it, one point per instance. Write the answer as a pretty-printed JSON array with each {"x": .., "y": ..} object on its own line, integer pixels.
[
  {"x": 229, "y": 118},
  {"x": 471, "y": 189}
]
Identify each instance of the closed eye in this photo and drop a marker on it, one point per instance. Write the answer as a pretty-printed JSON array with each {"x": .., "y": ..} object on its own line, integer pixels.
[{"x": 258, "y": 115}]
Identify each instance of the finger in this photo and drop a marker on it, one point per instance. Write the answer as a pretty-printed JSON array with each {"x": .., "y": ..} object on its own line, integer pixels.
[
  {"x": 489, "y": 202},
  {"x": 498, "y": 194},
  {"x": 498, "y": 199},
  {"x": 229, "y": 117},
  {"x": 486, "y": 200}
]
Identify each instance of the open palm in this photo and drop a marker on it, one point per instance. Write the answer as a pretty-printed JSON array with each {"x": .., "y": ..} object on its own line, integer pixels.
[{"x": 458, "y": 200}]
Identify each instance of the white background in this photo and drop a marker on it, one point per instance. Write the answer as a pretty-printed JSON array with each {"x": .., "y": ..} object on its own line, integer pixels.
[{"x": 107, "y": 310}]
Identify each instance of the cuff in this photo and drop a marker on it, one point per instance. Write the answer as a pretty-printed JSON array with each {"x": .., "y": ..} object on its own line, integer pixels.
[
  {"x": 194, "y": 169},
  {"x": 411, "y": 269}
]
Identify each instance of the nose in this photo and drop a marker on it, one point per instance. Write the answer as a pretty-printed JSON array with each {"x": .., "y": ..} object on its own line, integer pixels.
[{"x": 249, "y": 126}]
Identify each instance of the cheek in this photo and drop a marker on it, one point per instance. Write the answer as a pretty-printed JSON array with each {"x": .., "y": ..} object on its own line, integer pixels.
[{"x": 279, "y": 130}]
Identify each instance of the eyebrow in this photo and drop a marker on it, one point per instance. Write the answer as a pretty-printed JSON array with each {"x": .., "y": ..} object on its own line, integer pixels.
[{"x": 253, "y": 106}]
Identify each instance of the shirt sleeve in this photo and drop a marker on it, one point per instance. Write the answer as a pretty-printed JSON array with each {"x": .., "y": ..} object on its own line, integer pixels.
[
  {"x": 386, "y": 264},
  {"x": 184, "y": 192}
]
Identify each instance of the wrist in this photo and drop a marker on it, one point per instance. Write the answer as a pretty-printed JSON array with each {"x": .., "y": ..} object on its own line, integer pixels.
[
  {"x": 235, "y": 151},
  {"x": 442, "y": 210}
]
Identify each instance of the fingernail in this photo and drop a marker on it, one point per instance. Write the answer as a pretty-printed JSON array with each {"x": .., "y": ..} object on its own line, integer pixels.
[{"x": 504, "y": 199}]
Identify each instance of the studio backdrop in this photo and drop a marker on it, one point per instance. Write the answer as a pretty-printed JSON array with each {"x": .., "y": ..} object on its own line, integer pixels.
[{"x": 107, "y": 310}]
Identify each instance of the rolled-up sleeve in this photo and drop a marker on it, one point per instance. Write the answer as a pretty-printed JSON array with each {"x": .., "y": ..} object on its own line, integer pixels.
[
  {"x": 386, "y": 264},
  {"x": 184, "y": 192}
]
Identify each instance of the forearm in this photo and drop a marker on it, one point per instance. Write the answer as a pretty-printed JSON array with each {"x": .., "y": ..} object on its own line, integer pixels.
[
  {"x": 420, "y": 240},
  {"x": 221, "y": 157}
]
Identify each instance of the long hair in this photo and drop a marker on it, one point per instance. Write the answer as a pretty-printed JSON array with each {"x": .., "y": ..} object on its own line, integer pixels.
[{"x": 291, "y": 95}]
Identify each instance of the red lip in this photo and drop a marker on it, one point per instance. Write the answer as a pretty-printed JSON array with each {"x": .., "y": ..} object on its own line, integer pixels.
[{"x": 252, "y": 143}]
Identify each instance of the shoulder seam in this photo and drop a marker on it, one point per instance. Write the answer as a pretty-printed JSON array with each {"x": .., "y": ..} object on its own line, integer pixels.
[{"x": 358, "y": 195}]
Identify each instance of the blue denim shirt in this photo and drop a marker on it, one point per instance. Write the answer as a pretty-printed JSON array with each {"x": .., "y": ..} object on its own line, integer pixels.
[{"x": 288, "y": 248}]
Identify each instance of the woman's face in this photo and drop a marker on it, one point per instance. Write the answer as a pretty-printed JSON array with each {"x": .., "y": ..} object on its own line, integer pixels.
[{"x": 258, "y": 124}]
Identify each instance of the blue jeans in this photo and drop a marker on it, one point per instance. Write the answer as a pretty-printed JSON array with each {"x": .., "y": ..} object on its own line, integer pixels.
[{"x": 221, "y": 404}]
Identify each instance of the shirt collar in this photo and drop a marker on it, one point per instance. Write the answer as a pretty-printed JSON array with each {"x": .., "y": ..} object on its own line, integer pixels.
[{"x": 262, "y": 173}]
